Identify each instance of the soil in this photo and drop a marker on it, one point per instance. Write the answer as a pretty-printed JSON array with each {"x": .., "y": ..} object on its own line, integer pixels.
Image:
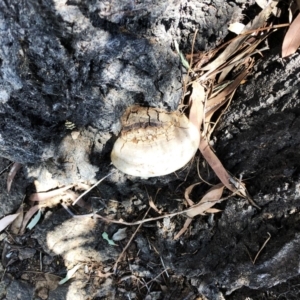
[{"x": 69, "y": 69}]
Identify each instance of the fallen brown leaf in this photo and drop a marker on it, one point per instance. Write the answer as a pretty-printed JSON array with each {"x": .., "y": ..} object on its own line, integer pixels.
[
  {"x": 212, "y": 197},
  {"x": 183, "y": 229}
]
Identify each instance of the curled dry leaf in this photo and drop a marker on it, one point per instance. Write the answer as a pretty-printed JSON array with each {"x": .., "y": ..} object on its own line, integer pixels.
[
  {"x": 12, "y": 173},
  {"x": 152, "y": 205},
  {"x": 212, "y": 197},
  {"x": 291, "y": 40},
  {"x": 183, "y": 229},
  {"x": 187, "y": 193}
]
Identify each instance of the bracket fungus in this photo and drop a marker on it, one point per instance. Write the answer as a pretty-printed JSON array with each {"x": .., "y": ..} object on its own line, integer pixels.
[{"x": 154, "y": 142}]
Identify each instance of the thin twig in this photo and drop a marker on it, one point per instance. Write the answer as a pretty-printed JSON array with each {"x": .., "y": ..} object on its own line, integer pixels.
[
  {"x": 92, "y": 187},
  {"x": 153, "y": 279},
  {"x": 262, "y": 247},
  {"x": 108, "y": 220},
  {"x": 129, "y": 242},
  {"x": 163, "y": 264},
  {"x": 193, "y": 44},
  {"x": 5, "y": 169}
]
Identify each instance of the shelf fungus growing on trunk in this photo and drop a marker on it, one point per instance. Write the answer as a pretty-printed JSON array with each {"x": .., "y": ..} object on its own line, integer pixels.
[{"x": 154, "y": 142}]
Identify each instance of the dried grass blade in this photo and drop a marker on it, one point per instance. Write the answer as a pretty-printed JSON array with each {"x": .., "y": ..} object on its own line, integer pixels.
[
  {"x": 291, "y": 40},
  {"x": 236, "y": 60},
  {"x": 12, "y": 173},
  {"x": 42, "y": 196}
]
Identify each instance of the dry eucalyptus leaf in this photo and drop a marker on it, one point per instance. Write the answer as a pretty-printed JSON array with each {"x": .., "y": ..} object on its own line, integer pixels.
[
  {"x": 291, "y": 40},
  {"x": 212, "y": 197},
  {"x": 152, "y": 205},
  {"x": 257, "y": 23},
  {"x": 187, "y": 192},
  {"x": 4, "y": 222},
  {"x": 215, "y": 163},
  {"x": 214, "y": 103},
  {"x": 183, "y": 229}
]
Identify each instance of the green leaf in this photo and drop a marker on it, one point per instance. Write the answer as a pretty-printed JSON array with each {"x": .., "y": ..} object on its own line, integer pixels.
[
  {"x": 34, "y": 220},
  {"x": 182, "y": 58},
  {"x": 105, "y": 236}
]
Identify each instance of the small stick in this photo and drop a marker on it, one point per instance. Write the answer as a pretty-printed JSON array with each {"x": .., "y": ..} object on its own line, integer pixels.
[
  {"x": 92, "y": 187},
  {"x": 153, "y": 278},
  {"x": 163, "y": 264},
  {"x": 5, "y": 169},
  {"x": 262, "y": 247}
]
